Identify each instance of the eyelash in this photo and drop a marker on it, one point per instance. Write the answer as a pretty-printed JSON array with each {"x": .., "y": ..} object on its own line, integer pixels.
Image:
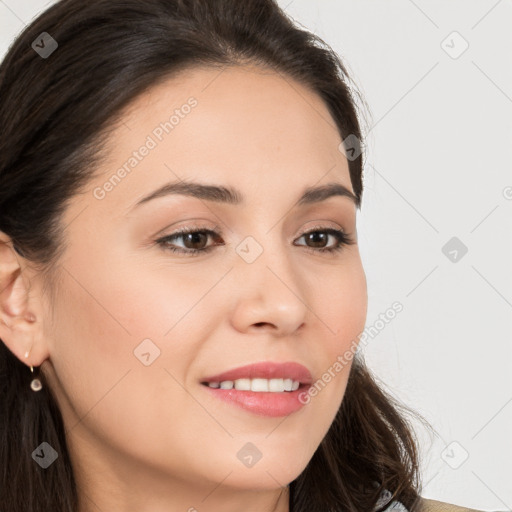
[{"x": 342, "y": 240}]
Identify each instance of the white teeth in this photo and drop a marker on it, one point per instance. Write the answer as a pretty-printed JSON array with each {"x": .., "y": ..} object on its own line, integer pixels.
[
  {"x": 258, "y": 385},
  {"x": 276, "y": 385},
  {"x": 243, "y": 384}
]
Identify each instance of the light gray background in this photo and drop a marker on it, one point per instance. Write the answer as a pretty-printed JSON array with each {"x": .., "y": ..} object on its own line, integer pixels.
[{"x": 438, "y": 166}]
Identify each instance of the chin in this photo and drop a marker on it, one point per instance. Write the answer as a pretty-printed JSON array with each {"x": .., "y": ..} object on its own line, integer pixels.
[{"x": 272, "y": 473}]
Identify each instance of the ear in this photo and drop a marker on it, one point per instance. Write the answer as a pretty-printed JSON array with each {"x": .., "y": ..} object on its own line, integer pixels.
[{"x": 21, "y": 313}]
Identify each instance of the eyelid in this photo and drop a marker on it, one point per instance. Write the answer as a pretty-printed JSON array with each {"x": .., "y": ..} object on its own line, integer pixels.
[
  {"x": 343, "y": 239},
  {"x": 320, "y": 224}
]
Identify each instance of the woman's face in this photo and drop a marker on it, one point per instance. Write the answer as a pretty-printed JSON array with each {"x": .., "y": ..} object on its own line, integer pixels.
[{"x": 137, "y": 328}]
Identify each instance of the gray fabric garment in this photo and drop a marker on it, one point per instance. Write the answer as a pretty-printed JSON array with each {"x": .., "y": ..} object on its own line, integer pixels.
[
  {"x": 397, "y": 507},
  {"x": 394, "y": 506}
]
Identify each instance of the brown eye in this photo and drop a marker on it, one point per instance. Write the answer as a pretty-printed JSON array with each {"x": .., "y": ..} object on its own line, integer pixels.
[
  {"x": 319, "y": 237},
  {"x": 195, "y": 241}
]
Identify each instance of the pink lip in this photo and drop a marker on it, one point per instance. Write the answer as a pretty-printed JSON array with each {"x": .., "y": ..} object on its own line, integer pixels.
[
  {"x": 263, "y": 403},
  {"x": 265, "y": 370}
]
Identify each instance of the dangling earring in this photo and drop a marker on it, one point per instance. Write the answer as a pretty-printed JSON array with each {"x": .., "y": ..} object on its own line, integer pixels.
[{"x": 36, "y": 383}]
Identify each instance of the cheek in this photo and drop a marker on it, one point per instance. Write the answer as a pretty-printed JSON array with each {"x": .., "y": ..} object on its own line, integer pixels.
[
  {"x": 101, "y": 322},
  {"x": 155, "y": 298},
  {"x": 103, "y": 312},
  {"x": 340, "y": 304}
]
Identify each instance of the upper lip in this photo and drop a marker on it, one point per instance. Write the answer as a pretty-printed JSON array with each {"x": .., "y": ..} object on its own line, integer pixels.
[{"x": 265, "y": 370}]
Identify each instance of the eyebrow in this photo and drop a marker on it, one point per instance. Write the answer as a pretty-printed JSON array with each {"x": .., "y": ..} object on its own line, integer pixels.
[{"x": 229, "y": 195}]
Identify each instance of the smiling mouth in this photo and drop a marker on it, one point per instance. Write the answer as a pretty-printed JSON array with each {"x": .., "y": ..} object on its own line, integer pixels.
[{"x": 257, "y": 385}]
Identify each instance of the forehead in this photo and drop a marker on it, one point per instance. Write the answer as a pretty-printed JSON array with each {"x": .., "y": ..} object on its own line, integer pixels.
[{"x": 248, "y": 126}]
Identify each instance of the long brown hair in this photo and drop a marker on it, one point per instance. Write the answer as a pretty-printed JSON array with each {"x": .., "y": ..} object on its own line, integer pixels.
[{"x": 55, "y": 112}]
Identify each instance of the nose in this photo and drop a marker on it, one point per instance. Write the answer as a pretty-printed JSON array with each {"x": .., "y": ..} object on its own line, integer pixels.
[{"x": 269, "y": 292}]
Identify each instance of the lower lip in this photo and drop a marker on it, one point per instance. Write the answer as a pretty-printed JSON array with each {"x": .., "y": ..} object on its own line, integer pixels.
[{"x": 263, "y": 403}]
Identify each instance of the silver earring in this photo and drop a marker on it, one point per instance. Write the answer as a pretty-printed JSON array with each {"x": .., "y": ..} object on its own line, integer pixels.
[{"x": 36, "y": 383}]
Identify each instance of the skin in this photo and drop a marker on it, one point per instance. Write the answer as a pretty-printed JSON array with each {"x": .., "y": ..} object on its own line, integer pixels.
[{"x": 150, "y": 437}]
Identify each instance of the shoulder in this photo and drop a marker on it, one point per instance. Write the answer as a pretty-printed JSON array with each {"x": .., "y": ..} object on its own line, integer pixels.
[
  {"x": 440, "y": 506},
  {"x": 423, "y": 505}
]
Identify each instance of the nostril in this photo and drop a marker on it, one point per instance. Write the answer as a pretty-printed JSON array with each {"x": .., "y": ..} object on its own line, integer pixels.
[{"x": 262, "y": 324}]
